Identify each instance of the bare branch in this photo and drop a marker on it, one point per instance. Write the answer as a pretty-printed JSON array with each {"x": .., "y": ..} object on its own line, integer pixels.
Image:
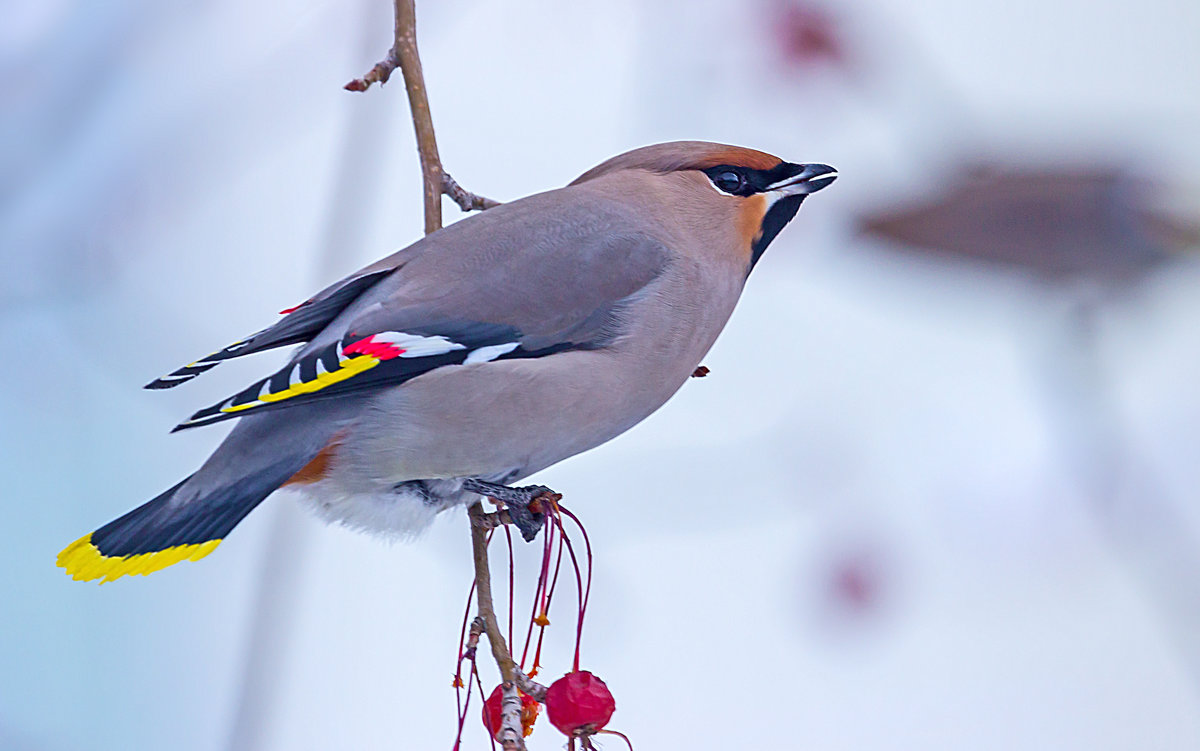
[
  {"x": 404, "y": 55},
  {"x": 436, "y": 183},
  {"x": 418, "y": 102},
  {"x": 511, "y": 737}
]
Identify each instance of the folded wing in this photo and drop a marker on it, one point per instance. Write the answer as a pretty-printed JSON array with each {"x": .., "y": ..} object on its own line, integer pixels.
[
  {"x": 358, "y": 362},
  {"x": 458, "y": 299},
  {"x": 300, "y": 324}
]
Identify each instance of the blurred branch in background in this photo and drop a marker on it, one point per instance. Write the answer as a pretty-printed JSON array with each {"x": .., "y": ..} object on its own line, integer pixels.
[
  {"x": 1095, "y": 224},
  {"x": 1091, "y": 235},
  {"x": 274, "y": 611}
]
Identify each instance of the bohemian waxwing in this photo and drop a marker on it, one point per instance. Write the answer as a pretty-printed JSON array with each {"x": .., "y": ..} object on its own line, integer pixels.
[{"x": 479, "y": 355}]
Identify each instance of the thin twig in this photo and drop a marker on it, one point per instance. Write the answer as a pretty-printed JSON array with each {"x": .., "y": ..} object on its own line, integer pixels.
[
  {"x": 530, "y": 687},
  {"x": 404, "y": 55},
  {"x": 468, "y": 654},
  {"x": 477, "y": 627},
  {"x": 494, "y": 519},
  {"x": 466, "y": 200}
]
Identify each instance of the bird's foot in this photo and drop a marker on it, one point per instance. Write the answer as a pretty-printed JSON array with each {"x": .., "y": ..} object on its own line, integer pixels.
[{"x": 525, "y": 504}]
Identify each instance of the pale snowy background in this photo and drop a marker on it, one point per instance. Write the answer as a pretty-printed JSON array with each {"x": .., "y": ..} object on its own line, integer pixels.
[{"x": 881, "y": 523}]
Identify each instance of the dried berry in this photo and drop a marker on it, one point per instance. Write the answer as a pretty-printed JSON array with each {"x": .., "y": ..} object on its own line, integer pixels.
[
  {"x": 579, "y": 703},
  {"x": 492, "y": 712}
]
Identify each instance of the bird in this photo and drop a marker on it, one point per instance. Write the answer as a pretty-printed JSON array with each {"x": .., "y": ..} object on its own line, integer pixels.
[{"x": 477, "y": 356}]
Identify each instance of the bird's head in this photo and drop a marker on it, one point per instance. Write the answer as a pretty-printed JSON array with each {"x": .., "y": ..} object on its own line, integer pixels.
[{"x": 760, "y": 192}]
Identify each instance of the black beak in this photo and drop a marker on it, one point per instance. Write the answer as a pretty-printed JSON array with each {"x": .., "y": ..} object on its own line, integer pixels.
[{"x": 808, "y": 178}]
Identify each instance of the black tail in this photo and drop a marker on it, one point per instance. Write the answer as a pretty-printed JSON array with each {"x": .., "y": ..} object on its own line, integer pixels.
[{"x": 166, "y": 530}]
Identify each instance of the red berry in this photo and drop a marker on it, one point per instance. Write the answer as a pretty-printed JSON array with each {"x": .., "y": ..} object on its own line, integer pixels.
[
  {"x": 579, "y": 703},
  {"x": 492, "y": 712}
]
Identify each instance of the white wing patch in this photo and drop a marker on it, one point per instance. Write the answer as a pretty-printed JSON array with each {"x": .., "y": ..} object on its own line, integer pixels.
[{"x": 487, "y": 354}]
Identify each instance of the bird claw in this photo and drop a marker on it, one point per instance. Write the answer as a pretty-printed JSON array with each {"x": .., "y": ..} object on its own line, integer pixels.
[
  {"x": 526, "y": 519},
  {"x": 525, "y": 504}
]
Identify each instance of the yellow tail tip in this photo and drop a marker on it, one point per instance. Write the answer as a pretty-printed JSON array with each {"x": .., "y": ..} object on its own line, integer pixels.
[{"x": 84, "y": 561}]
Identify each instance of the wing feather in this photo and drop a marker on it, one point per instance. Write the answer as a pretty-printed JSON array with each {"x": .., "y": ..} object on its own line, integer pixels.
[{"x": 300, "y": 324}]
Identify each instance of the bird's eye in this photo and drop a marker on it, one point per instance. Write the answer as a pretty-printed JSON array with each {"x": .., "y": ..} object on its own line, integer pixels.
[{"x": 729, "y": 181}]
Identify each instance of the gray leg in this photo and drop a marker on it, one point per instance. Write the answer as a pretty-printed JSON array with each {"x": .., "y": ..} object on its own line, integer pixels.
[{"x": 518, "y": 500}]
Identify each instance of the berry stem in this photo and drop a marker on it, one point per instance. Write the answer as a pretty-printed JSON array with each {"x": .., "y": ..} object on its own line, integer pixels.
[
  {"x": 511, "y": 573},
  {"x": 578, "y": 585},
  {"x": 587, "y": 592}
]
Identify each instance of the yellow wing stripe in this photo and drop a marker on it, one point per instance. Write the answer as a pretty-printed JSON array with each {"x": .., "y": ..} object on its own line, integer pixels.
[
  {"x": 84, "y": 561},
  {"x": 347, "y": 369}
]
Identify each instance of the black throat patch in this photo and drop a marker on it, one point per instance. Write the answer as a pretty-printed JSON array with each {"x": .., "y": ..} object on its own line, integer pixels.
[{"x": 775, "y": 220}]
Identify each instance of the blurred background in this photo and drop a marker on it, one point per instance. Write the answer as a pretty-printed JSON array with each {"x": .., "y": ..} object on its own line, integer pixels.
[{"x": 939, "y": 491}]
